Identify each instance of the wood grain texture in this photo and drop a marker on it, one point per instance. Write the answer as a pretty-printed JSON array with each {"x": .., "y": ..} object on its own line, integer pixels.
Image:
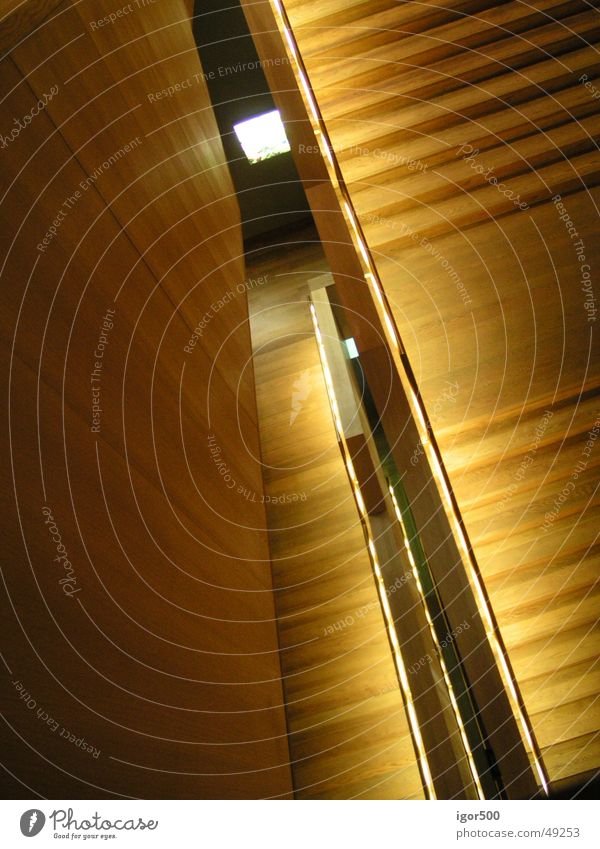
[
  {"x": 489, "y": 296},
  {"x": 18, "y": 18},
  {"x": 159, "y": 648},
  {"x": 349, "y": 736}
]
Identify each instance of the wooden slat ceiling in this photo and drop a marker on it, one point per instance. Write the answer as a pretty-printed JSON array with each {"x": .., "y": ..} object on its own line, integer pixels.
[{"x": 488, "y": 296}]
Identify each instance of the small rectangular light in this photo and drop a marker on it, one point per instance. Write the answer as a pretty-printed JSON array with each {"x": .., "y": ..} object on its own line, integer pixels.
[
  {"x": 262, "y": 137},
  {"x": 351, "y": 348}
]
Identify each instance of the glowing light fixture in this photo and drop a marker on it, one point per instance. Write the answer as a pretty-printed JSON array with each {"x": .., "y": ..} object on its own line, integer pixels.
[
  {"x": 351, "y": 348},
  {"x": 383, "y": 597},
  {"x": 262, "y": 137},
  {"x": 370, "y": 278}
]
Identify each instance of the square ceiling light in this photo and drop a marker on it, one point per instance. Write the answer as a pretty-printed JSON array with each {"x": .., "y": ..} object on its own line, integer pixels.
[
  {"x": 262, "y": 136},
  {"x": 351, "y": 348}
]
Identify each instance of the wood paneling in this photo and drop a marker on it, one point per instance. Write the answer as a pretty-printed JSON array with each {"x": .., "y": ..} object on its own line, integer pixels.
[
  {"x": 164, "y": 654},
  {"x": 349, "y": 736},
  {"x": 18, "y": 19},
  {"x": 487, "y": 295}
]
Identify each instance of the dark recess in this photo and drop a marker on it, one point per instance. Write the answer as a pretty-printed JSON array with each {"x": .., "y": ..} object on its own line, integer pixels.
[{"x": 270, "y": 193}]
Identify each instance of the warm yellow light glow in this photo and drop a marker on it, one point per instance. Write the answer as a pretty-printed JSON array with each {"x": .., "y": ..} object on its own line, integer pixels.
[
  {"x": 325, "y": 146},
  {"x": 357, "y": 237},
  {"x": 461, "y": 727},
  {"x": 418, "y": 408},
  {"x": 484, "y": 611},
  {"x": 360, "y": 502},
  {"x": 370, "y": 278},
  {"x": 486, "y": 616},
  {"x": 481, "y": 601},
  {"x": 323, "y": 140},
  {"x": 403, "y": 677},
  {"x": 309, "y": 96},
  {"x": 541, "y": 775},
  {"x": 383, "y": 597},
  {"x": 291, "y": 42}
]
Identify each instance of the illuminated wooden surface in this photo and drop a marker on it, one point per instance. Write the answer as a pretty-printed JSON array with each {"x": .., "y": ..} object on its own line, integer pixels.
[
  {"x": 166, "y": 660},
  {"x": 348, "y": 732},
  {"x": 487, "y": 297}
]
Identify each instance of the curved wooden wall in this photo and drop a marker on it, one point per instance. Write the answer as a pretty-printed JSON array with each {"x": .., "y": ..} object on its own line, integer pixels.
[{"x": 155, "y": 644}]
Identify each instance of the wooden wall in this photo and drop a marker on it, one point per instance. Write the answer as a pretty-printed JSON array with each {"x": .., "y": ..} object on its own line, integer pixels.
[
  {"x": 456, "y": 126},
  {"x": 348, "y": 731},
  {"x": 155, "y": 644}
]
